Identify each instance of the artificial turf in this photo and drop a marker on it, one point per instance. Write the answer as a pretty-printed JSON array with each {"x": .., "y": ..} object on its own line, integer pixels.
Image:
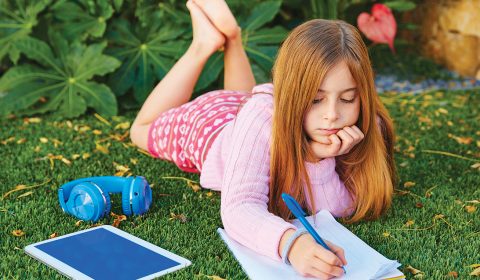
[{"x": 432, "y": 226}]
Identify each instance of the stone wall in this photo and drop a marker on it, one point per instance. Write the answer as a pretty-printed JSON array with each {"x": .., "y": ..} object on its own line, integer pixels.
[{"x": 449, "y": 33}]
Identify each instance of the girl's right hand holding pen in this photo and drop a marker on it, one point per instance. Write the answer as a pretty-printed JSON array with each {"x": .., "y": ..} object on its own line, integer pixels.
[{"x": 310, "y": 259}]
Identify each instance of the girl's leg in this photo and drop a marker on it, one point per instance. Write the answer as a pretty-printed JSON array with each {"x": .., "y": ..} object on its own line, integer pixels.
[
  {"x": 176, "y": 87},
  {"x": 238, "y": 73}
]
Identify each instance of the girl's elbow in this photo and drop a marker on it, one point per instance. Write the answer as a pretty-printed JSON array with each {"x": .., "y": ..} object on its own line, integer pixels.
[
  {"x": 227, "y": 215},
  {"x": 139, "y": 135},
  {"x": 134, "y": 134}
]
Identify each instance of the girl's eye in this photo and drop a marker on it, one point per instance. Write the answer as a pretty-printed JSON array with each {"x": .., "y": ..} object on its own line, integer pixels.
[
  {"x": 347, "y": 100},
  {"x": 316, "y": 101}
]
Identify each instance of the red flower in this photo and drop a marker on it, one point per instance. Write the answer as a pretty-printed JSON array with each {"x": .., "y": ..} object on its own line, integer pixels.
[{"x": 380, "y": 26}]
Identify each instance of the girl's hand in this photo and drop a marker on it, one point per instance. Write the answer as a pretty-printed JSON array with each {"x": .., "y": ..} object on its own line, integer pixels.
[
  {"x": 310, "y": 259},
  {"x": 341, "y": 142}
]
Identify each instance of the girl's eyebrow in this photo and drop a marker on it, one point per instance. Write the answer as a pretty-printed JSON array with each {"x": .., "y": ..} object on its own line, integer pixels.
[{"x": 342, "y": 91}]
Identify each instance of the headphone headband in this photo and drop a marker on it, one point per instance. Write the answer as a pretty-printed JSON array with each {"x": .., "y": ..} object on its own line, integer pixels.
[{"x": 110, "y": 184}]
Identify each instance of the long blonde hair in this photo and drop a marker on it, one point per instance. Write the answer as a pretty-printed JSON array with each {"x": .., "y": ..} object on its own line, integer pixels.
[{"x": 368, "y": 170}]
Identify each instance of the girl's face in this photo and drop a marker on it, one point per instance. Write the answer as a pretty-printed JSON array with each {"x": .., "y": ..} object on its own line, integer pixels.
[{"x": 336, "y": 105}]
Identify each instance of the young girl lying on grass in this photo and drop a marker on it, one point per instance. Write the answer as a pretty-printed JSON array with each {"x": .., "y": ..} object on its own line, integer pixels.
[{"x": 318, "y": 133}]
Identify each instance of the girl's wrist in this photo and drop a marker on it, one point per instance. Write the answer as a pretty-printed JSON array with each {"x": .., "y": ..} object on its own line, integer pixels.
[
  {"x": 288, "y": 246},
  {"x": 283, "y": 241}
]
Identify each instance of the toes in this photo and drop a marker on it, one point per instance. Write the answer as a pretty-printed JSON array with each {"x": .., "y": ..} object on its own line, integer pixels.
[
  {"x": 191, "y": 5},
  {"x": 201, "y": 3},
  {"x": 195, "y": 11},
  {"x": 220, "y": 15}
]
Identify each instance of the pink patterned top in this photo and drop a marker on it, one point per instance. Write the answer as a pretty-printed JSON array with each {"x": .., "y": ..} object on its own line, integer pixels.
[
  {"x": 238, "y": 165},
  {"x": 184, "y": 134}
]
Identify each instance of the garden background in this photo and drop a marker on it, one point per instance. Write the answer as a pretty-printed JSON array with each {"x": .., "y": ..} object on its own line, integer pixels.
[{"x": 73, "y": 74}]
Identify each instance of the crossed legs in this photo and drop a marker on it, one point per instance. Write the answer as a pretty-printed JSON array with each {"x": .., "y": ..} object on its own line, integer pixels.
[{"x": 213, "y": 27}]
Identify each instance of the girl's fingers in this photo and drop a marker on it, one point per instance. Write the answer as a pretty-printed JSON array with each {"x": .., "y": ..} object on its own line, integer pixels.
[
  {"x": 338, "y": 251},
  {"x": 347, "y": 135},
  {"x": 347, "y": 141},
  {"x": 336, "y": 143},
  {"x": 327, "y": 256},
  {"x": 354, "y": 127},
  {"x": 315, "y": 273},
  {"x": 327, "y": 262},
  {"x": 324, "y": 140},
  {"x": 353, "y": 133},
  {"x": 322, "y": 270}
]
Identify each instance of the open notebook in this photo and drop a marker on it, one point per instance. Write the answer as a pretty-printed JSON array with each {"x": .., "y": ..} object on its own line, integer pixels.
[{"x": 363, "y": 261}]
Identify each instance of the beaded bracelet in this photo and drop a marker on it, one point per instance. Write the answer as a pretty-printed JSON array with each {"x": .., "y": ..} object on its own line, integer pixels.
[{"x": 288, "y": 245}]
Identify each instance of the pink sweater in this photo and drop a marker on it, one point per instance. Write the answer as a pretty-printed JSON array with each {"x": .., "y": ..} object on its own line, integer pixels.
[{"x": 238, "y": 165}]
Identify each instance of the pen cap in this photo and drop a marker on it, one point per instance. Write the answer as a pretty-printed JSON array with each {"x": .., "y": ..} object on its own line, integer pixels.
[{"x": 293, "y": 205}]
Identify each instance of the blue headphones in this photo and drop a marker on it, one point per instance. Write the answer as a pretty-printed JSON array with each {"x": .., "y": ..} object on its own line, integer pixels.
[{"x": 88, "y": 199}]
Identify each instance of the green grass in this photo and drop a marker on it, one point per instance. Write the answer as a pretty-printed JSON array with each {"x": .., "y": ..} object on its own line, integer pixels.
[{"x": 424, "y": 122}]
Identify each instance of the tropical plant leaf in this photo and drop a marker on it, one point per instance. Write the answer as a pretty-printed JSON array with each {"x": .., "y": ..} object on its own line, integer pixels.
[
  {"x": 327, "y": 9},
  {"x": 17, "y": 18},
  {"x": 147, "y": 54},
  {"x": 400, "y": 5},
  {"x": 264, "y": 36},
  {"x": 261, "y": 14},
  {"x": 261, "y": 45},
  {"x": 261, "y": 75},
  {"x": 148, "y": 11},
  {"x": 98, "y": 96},
  {"x": 83, "y": 18},
  {"x": 117, "y": 4},
  {"x": 60, "y": 82},
  {"x": 264, "y": 56},
  {"x": 210, "y": 72}
]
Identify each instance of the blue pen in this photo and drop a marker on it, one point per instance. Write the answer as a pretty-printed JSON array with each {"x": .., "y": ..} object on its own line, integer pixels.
[{"x": 298, "y": 212}]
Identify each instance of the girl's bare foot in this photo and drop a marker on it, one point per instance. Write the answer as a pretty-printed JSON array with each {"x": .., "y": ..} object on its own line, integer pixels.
[
  {"x": 221, "y": 16},
  {"x": 206, "y": 38}
]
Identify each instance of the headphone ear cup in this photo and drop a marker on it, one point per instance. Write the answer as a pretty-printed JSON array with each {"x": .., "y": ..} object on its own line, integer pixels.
[
  {"x": 87, "y": 202},
  {"x": 142, "y": 196}
]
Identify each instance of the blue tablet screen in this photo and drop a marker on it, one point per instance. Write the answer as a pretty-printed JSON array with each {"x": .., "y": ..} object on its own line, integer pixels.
[{"x": 101, "y": 254}]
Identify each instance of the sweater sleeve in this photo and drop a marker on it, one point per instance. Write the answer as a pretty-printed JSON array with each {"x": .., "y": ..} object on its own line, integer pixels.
[{"x": 245, "y": 185}]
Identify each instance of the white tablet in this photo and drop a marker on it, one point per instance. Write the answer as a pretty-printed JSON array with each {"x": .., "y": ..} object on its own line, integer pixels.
[{"x": 105, "y": 252}]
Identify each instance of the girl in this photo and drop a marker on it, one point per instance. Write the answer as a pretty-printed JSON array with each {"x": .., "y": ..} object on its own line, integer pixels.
[{"x": 319, "y": 133}]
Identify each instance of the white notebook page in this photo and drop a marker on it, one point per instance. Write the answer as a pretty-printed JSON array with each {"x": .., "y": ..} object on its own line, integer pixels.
[{"x": 363, "y": 261}]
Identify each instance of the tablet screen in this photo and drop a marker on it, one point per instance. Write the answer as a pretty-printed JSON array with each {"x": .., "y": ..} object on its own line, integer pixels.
[{"x": 101, "y": 254}]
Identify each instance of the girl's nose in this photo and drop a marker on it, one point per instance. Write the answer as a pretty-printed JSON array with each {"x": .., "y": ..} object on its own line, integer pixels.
[{"x": 331, "y": 113}]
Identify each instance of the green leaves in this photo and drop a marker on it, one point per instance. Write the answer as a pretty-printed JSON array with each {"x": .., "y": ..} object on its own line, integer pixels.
[
  {"x": 262, "y": 45},
  {"x": 210, "y": 72},
  {"x": 327, "y": 9},
  {"x": 261, "y": 14},
  {"x": 400, "y": 5},
  {"x": 146, "y": 54},
  {"x": 148, "y": 11},
  {"x": 61, "y": 82},
  {"x": 83, "y": 18},
  {"x": 61, "y": 72},
  {"x": 17, "y": 18}
]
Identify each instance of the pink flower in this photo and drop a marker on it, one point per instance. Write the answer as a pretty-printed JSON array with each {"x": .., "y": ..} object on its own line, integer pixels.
[{"x": 380, "y": 26}]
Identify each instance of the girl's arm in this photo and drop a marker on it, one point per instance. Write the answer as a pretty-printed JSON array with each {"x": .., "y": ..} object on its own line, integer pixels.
[{"x": 245, "y": 186}]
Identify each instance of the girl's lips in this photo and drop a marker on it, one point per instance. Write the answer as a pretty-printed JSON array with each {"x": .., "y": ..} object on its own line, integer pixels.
[{"x": 329, "y": 131}]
